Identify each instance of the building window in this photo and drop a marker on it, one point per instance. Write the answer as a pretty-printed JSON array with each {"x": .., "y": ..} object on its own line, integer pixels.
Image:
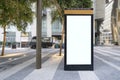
[{"x": 107, "y": 1}]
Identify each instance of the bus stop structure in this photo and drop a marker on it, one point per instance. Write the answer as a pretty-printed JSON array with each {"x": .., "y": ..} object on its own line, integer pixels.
[{"x": 78, "y": 39}]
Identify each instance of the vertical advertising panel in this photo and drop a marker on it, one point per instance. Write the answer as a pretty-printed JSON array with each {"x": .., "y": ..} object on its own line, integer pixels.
[{"x": 78, "y": 40}]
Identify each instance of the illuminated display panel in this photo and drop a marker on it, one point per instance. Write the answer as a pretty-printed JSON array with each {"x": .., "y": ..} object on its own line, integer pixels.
[{"x": 78, "y": 40}]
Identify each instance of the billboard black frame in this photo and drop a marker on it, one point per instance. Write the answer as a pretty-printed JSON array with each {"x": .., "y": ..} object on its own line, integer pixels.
[{"x": 78, "y": 67}]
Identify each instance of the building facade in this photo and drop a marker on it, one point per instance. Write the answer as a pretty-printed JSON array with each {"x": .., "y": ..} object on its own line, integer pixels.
[
  {"x": 107, "y": 19},
  {"x": 50, "y": 31},
  {"x": 99, "y": 11},
  {"x": 115, "y": 20},
  {"x": 105, "y": 28},
  {"x": 105, "y": 37}
]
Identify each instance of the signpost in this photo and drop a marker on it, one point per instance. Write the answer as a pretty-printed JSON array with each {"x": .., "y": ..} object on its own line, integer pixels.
[{"x": 78, "y": 39}]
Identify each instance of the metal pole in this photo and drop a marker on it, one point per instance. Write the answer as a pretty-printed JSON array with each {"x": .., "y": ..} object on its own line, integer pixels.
[{"x": 39, "y": 28}]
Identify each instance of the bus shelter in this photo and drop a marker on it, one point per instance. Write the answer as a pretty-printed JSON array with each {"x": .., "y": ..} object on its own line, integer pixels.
[{"x": 78, "y": 39}]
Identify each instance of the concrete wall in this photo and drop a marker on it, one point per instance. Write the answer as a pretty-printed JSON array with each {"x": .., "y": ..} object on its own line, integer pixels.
[
  {"x": 99, "y": 14},
  {"x": 99, "y": 7}
]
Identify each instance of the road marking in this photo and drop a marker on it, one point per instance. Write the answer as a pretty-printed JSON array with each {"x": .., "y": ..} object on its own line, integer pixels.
[
  {"x": 113, "y": 50},
  {"x": 10, "y": 59},
  {"x": 17, "y": 50},
  {"x": 109, "y": 63},
  {"x": 110, "y": 56},
  {"x": 7, "y": 73},
  {"x": 47, "y": 71},
  {"x": 88, "y": 75},
  {"x": 16, "y": 69},
  {"x": 48, "y": 51},
  {"x": 11, "y": 55},
  {"x": 15, "y": 54},
  {"x": 116, "y": 54},
  {"x": 51, "y": 51}
]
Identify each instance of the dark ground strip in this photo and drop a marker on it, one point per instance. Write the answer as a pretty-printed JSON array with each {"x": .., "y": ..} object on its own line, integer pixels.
[
  {"x": 19, "y": 61},
  {"x": 14, "y": 63},
  {"x": 105, "y": 71},
  {"x": 3, "y": 59},
  {"x": 27, "y": 70},
  {"x": 117, "y": 53},
  {"x": 60, "y": 74},
  {"x": 110, "y": 59}
]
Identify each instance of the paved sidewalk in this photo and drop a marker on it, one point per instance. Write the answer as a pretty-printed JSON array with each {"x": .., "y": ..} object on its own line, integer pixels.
[
  {"x": 48, "y": 69},
  {"x": 52, "y": 69},
  {"x": 106, "y": 67}
]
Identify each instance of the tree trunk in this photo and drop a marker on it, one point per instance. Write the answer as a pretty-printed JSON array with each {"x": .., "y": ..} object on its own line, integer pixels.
[
  {"x": 60, "y": 13},
  {"x": 4, "y": 40},
  {"x": 39, "y": 28},
  {"x": 62, "y": 37}
]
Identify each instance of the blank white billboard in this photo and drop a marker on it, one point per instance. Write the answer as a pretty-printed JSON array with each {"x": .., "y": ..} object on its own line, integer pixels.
[{"x": 78, "y": 39}]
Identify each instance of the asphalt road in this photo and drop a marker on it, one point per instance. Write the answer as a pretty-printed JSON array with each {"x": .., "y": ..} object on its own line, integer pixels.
[{"x": 16, "y": 57}]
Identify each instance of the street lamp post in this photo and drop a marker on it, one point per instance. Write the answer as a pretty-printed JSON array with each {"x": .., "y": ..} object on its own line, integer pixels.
[{"x": 39, "y": 28}]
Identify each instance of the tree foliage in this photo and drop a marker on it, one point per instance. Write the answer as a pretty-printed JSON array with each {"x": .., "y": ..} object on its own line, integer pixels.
[
  {"x": 61, "y": 5},
  {"x": 15, "y": 12}
]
